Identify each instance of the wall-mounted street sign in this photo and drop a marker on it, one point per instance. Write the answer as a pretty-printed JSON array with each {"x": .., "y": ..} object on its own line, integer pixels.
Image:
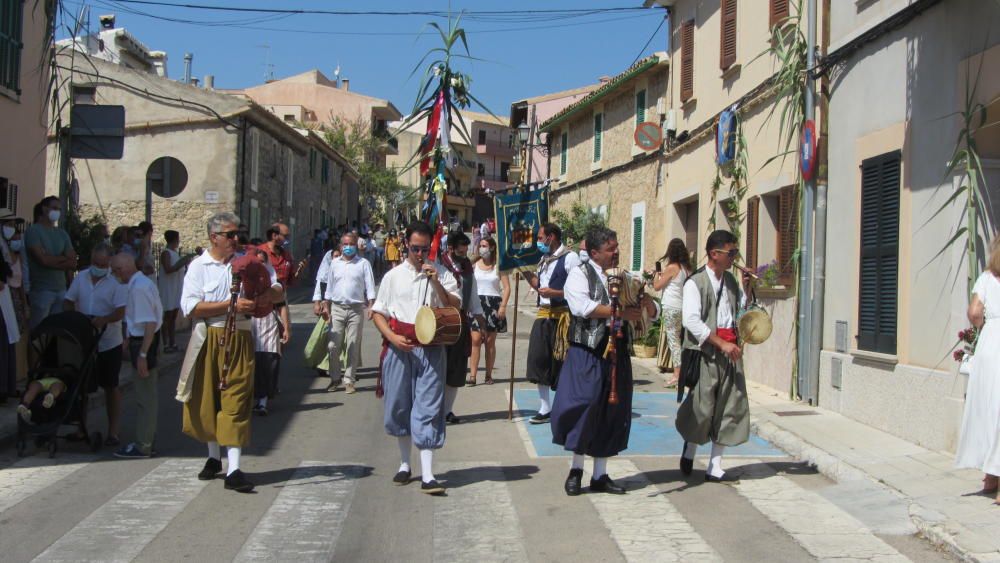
[
  {"x": 648, "y": 136},
  {"x": 807, "y": 152},
  {"x": 97, "y": 132}
]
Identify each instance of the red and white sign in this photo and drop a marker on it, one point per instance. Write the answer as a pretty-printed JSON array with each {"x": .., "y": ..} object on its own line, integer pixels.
[
  {"x": 648, "y": 136},
  {"x": 807, "y": 152}
]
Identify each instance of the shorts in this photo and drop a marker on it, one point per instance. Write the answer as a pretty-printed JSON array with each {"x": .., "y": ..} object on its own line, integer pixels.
[{"x": 108, "y": 367}]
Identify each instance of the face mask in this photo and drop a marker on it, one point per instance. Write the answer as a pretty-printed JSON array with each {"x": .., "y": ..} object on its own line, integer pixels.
[
  {"x": 54, "y": 215},
  {"x": 9, "y": 232},
  {"x": 16, "y": 245},
  {"x": 98, "y": 272},
  {"x": 286, "y": 244},
  {"x": 543, "y": 247},
  {"x": 136, "y": 242},
  {"x": 584, "y": 257},
  {"x": 485, "y": 253},
  {"x": 350, "y": 251}
]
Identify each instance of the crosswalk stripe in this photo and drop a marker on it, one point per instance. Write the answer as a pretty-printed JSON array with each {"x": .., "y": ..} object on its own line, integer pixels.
[
  {"x": 645, "y": 525},
  {"x": 476, "y": 521},
  {"x": 123, "y": 526},
  {"x": 32, "y": 474},
  {"x": 305, "y": 520},
  {"x": 819, "y": 526}
]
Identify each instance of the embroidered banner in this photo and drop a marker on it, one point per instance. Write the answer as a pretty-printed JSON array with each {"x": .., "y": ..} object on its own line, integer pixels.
[{"x": 518, "y": 216}]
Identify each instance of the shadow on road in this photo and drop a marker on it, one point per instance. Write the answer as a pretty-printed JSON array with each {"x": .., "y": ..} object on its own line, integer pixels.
[{"x": 457, "y": 478}]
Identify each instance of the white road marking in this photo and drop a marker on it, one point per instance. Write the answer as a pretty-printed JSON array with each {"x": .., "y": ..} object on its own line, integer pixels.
[
  {"x": 822, "y": 528},
  {"x": 305, "y": 520},
  {"x": 476, "y": 522},
  {"x": 123, "y": 526},
  {"x": 522, "y": 431},
  {"x": 32, "y": 474},
  {"x": 645, "y": 525}
]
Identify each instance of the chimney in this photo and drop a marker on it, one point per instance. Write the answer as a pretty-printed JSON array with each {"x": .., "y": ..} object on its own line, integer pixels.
[
  {"x": 187, "y": 67},
  {"x": 210, "y": 82},
  {"x": 345, "y": 84},
  {"x": 604, "y": 79},
  {"x": 194, "y": 82}
]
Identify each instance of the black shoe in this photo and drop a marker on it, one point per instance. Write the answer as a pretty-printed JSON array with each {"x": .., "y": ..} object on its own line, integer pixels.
[
  {"x": 260, "y": 410},
  {"x": 401, "y": 478},
  {"x": 726, "y": 478},
  {"x": 606, "y": 485},
  {"x": 212, "y": 468},
  {"x": 450, "y": 418},
  {"x": 540, "y": 418},
  {"x": 573, "y": 485},
  {"x": 431, "y": 488},
  {"x": 237, "y": 481},
  {"x": 687, "y": 465}
]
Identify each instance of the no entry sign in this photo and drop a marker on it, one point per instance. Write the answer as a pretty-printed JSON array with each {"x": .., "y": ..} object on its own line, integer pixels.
[{"x": 648, "y": 136}]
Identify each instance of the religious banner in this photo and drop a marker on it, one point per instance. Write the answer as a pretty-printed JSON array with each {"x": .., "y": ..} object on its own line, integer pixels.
[{"x": 518, "y": 216}]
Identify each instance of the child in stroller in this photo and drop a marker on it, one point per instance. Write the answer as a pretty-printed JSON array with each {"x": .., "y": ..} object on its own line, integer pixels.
[{"x": 51, "y": 386}]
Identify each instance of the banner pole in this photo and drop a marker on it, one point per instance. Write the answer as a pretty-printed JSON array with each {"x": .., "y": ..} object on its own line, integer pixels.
[{"x": 513, "y": 346}]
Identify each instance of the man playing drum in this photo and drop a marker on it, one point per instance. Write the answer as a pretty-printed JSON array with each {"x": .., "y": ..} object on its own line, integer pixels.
[
  {"x": 219, "y": 417},
  {"x": 548, "y": 341},
  {"x": 413, "y": 377},
  {"x": 457, "y": 261},
  {"x": 716, "y": 409}
]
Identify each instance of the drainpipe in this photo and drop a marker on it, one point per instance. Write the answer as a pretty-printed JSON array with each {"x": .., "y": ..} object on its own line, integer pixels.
[{"x": 809, "y": 332}]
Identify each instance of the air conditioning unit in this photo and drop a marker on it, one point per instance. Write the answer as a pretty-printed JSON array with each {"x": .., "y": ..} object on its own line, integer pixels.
[
  {"x": 671, "y": 120},
  {"x": 661, "y": 106}
]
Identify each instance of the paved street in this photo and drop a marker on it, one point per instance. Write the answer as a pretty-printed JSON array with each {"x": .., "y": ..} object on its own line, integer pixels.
[{"x": 323, "y": 467}]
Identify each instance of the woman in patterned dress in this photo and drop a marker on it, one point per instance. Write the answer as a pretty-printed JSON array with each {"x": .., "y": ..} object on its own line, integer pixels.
[
  {"x": 670, "y": 280},
  {"x": 494, "y": 292}
]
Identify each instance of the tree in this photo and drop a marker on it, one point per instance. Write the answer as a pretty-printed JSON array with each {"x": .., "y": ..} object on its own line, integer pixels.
[
  {"x": 578, "y": 222},
  {"x": 360, "y": 145}
]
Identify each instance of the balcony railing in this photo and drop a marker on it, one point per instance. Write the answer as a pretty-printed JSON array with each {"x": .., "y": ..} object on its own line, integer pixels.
[
  {"x": 491, "y": 182},
  {"x": 495, "y": 149}
]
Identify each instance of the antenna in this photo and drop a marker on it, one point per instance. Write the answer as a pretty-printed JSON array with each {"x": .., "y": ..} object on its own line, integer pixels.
[{"x": 268, "y": 67}]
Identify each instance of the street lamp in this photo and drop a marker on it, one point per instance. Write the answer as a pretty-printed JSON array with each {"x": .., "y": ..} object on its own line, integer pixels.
[{"x": 523, "y": 130}]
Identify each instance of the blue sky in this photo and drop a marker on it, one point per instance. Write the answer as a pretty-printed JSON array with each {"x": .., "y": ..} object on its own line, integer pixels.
[{"x": 525, "y": 54}]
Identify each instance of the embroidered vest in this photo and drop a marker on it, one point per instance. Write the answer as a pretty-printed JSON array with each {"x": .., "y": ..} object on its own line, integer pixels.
[
  {"x": 557, "y": 281},
  {"x": 591, "y": 333}
]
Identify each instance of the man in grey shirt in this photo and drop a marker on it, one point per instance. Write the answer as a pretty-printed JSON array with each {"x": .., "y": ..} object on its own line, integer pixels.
[{"x": 50, "y": 256}]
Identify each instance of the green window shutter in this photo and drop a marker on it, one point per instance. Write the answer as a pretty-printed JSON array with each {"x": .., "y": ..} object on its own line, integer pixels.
[
  {"x": 312, "y": 163},
  {"x": 636, "y": 243},
  {"x": 640, "y": 107},
  {"x": 11, "y": 18},
  {"x": 563, "y": 152},
  {"x": 598, "y": 133},
  {"x": 878, "y": 296}
]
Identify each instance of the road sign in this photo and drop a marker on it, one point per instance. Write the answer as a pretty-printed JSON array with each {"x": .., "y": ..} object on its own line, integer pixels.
[
  {"x": 807, "y": 152},
  {"x": 97, "y": 132},
  {"x": 648, "y": 136}
]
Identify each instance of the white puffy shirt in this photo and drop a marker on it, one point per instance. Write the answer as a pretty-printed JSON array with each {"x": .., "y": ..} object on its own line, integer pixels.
[
  {"x": 692, "y": 308},
  {"x": 545, "y": 272},
  {"x": 208, "y": 280},
  {"x": 403, "y": 287}
]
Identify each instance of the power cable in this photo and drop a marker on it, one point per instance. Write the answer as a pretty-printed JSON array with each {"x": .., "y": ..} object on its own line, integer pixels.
[{"x": 651, "y": 37}]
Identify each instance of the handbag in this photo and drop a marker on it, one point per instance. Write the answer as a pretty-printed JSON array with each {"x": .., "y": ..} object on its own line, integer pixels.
[
  {"x": 316, "y": 346},
  {"x": 691, "y": 358}
]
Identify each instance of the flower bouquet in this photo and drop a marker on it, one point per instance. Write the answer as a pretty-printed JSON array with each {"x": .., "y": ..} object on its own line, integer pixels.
[{"x": 966, "y": 348}]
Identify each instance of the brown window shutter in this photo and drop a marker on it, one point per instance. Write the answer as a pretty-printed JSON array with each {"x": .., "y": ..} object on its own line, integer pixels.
[
  {"x": 687, "y": 60},
  {"x": 753, "y": 225},
  {"x": 779, "y": 12},
  {"x": 727, "y": 46},
  {"x": 788, "y": 227}
]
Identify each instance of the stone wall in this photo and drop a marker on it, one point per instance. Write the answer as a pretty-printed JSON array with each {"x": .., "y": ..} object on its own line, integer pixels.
[{"x": 190, "y": 219}]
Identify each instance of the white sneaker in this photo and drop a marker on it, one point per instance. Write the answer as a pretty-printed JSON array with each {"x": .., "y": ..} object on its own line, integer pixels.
[
  {"x": 25, "y": 412},
  {"x": 49, "y": 400}
]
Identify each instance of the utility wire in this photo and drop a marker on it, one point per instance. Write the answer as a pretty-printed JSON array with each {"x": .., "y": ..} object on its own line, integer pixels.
[{"x": 651, "y": 37}]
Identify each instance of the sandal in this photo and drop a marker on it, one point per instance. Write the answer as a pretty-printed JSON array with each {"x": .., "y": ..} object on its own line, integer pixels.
[
  {"x": 471, "y": 381},
  {"x": 489, "y": 380},
  {"x": 990, "y": 484}
]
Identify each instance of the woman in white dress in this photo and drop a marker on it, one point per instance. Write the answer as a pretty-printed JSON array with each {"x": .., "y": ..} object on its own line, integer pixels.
[
  {"x": 979, "y": 444},
  {"x": 170, "y": 283},
  {"x": 669, "y": 278}
]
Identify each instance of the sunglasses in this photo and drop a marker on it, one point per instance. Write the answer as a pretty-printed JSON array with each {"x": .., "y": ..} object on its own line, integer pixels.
[
  {"x": 419, "y": 249},
  {"x": 228, "y": 234},
  {"x": 731, "y": 253}
]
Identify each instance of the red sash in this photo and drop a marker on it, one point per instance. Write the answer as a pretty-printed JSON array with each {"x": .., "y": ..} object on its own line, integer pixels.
[
  {"x": 727, "y": 334},
  {"x": 403, "y": 329}
]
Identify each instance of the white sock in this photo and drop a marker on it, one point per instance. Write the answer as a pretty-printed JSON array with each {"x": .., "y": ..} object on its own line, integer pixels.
[
  {"x": 577, "y": 462},
  {"x": 405, "y": 446},
  {"x": 690, "y": 450},
  {"x": 450, "y": 394},
  {"x": 234, "y": 460},
  {"x": 600, "y": 467},
  {"x": 715, "y": 463},
  {"x": 262, "y": 402},
  {"x": 214, "y": 451},
  {"x": 545, "y": 406},
  {"x": 426, "y": 461}
]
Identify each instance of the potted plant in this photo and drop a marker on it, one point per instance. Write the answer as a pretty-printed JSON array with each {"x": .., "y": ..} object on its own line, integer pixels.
[{"x": 646, "y": 348}]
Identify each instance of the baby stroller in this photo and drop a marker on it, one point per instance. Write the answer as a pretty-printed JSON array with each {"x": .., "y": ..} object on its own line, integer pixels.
[{"x": 65, "y": 346}]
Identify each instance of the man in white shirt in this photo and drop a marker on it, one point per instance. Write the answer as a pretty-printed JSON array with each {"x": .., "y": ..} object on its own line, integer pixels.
[
  {"x": 716, "y": 409},
  {"x": 350, "y": 288},
  {"x": 547, "y": 343},
  {"x": 97, "y": 294},
  {"x": 143, "y": 317},
  {"x": 584, "y": 419},
  {"x": 413, "y": 375}
]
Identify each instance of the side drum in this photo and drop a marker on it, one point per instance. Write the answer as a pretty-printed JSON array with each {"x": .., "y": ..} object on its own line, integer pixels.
[
  {"x": 438, "y": 326},
  {"x": 755, "y": 325}
]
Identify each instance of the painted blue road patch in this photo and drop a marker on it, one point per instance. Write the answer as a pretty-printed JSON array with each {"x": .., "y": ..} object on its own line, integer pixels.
[{"x": 653, "y": 431}]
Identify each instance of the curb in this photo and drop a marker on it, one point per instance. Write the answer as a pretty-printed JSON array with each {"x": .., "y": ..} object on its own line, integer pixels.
[{"x": 930, "y": 524}]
